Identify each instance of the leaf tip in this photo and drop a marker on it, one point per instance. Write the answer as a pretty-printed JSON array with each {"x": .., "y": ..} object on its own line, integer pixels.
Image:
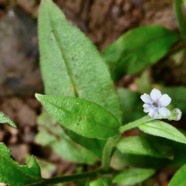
[{"x": 38, "y": 97}]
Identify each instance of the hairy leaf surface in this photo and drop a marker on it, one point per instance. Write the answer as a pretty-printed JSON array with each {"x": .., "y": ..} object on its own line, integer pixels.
[{"x": 83, "y": 117}]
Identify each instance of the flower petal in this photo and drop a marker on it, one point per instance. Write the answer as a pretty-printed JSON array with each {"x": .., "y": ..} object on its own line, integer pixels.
[
  {"x": 164, "y": 100},
  {"x": 147, "y": 108},
  {"x": 155, "y": 95},
  {"x": 153, "y": 113},
  {"x": 164, "y": 112},
  {"x": 146, "y": 98}
]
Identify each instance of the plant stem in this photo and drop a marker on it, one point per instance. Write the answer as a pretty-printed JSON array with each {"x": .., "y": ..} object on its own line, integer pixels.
[
  {"x": 180, "y": 18},
  {"x": 75, "y": 177},
  {"x": 107, "y": 152},
  {"x": 134, "y": 124}
]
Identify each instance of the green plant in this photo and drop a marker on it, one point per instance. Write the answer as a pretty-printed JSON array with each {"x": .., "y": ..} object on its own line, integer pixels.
[{"x": 81, "y": 97}]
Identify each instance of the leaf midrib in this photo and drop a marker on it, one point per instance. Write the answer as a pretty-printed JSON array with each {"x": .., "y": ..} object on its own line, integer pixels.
[
  {"x": 69, "y": 71},
  {"x": 171, "y": 134},
  {"x": 63, "y": 109}
]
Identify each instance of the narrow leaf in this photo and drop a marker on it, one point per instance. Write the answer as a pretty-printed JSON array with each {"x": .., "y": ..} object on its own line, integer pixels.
[
  {"x": 52, "y": 135},
  {"x": 133, "y": 176},
  {"x": 179, "y": 178},
  {"x": 162, "y": 129},
  {"x": 6, "y": 119},
  {"x": 137, "y": 49},
  {"x": 14, "y": 174},
  {"x": 144, "y": 145},
  {"x": 82, "y": 117}
]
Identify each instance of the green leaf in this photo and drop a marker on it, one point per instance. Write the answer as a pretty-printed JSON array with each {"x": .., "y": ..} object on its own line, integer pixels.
[
  {"x": 137, "y": 49},
  {"x": 133, "y": 176},
  {"x": 130, "y": 103},
  {"x": 162, "y": 129},
  {"x": 94, "y": 145},
  {"x": 73, "y": 152},
  {"x": 5, "y": 119},
  {"x": 177, "y": 95},
  {"x": 82, "y": 117},
  {"x": 144, "y": 145},
  {"x": 70, "y": 63},
  {"x": 179, "y": 151},
  {"x": 100, "y": 182},
  {"x": 52, "y": 135},
  {"x": 14, "y": 174},
  {"x": 179, "y": 178},
  {"x": 72, "y": 66},
  {"x": 121, "y": 161}
]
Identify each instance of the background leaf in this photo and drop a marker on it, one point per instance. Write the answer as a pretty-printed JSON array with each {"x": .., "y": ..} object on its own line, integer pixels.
[
  {"x": 14, "y": 174},
  {"x": 177, "y": 95},
  {"x": 131, "y": 105},
  {"x": 6, "y": 119},
  {"x": 137, "y": 49},
  {"x": 93, "y": 145},
  {"x": 145, "y": 145},
  {"x": 121, "y": 161},
  {"x": 162, "y": 129},
  {"x": 100, "y": 182},
  {"x": 82, "y": 117},
  {"x": 52, "y": 135},
  {"x": 179, "y": 178},
  {"x": 133, "y": 176}
]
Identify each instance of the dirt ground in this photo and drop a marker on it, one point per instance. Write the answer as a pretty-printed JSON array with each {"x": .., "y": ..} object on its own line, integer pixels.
[{"x": 103, "y": 21}]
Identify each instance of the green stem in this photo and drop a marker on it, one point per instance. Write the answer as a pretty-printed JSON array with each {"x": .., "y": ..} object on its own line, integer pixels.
[
  {"x": 180, "y": 17},
  {"x": 75, "y": 177},
  {"x": 107, "y": 152},
  {"x": 134, "y": 124}
]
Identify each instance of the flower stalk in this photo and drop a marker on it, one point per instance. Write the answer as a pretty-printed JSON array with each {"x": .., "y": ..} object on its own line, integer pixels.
[{"x": 134, "y": 124}]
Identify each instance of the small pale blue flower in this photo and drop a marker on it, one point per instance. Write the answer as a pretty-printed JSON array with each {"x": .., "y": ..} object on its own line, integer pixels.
[{"x": 155, "y": 104}]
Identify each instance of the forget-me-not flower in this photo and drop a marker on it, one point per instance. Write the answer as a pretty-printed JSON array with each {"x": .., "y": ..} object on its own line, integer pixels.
[{"x": 155, "y": 104}]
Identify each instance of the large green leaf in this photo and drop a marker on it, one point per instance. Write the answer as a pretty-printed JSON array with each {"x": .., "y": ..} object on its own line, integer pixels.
[
  {"x": 179, "y": 178},
  {"x": 52, "y": 135},
  {"x": 72, "y": 66},
  {"x": 144, "y": 145},
  {"x": 5, "y": 119},
  {"x": 82, "y": 117},
  {"x": 70, "y": 63},
  {"x": 162, "y": 129},
  {"x": 133, "y": 176},
  {"x": 14, "y": 174},
  {"x": 137, "y": 49}
]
